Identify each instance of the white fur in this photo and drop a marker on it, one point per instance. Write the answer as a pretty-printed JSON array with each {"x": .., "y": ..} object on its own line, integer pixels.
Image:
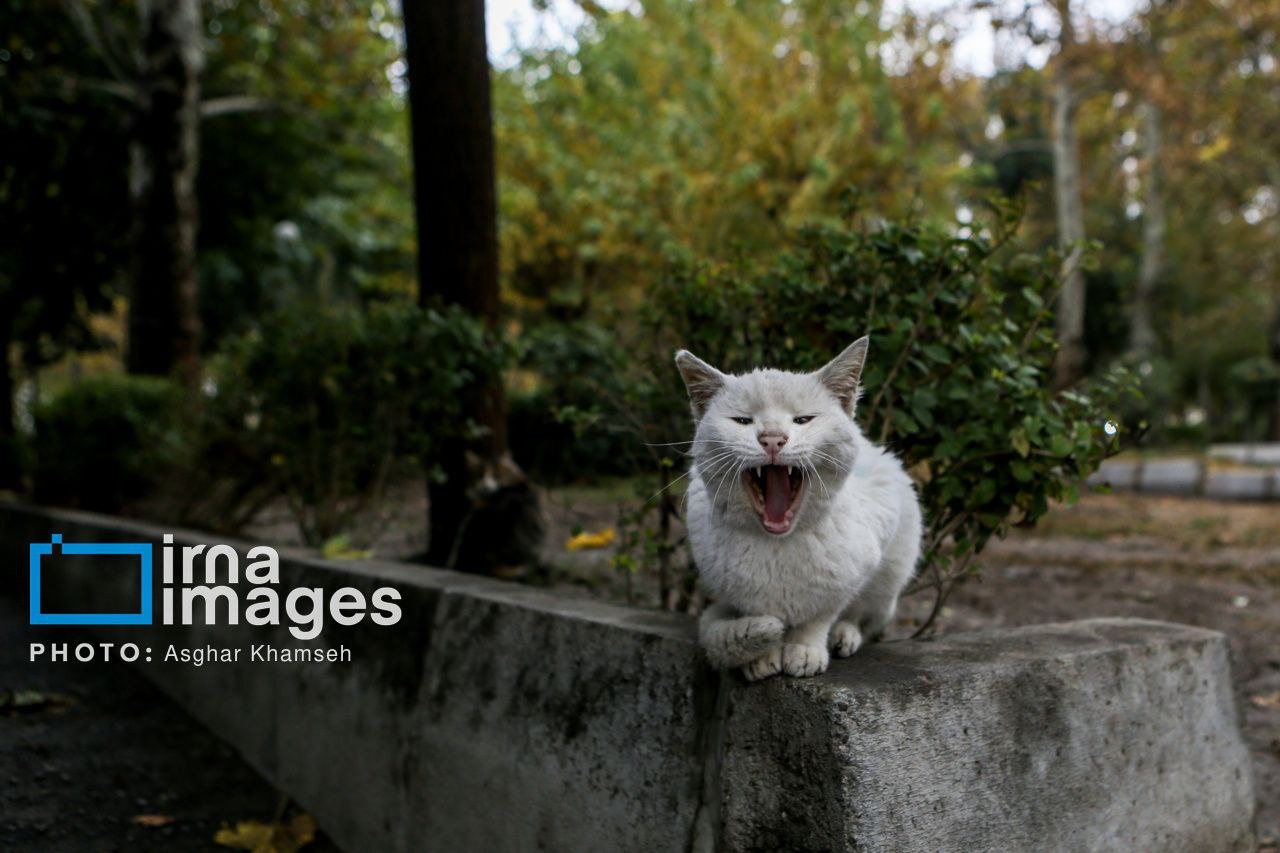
[{"x": 784, "y": 602}]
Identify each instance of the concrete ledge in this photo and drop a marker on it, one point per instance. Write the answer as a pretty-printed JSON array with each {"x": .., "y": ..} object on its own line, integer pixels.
[
  {"x": 499, "y": 717},
  {"x": 1111, "y": 734}
]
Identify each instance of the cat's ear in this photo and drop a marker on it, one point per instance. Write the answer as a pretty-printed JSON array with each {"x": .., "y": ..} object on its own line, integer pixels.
[
  {"x": 842, "y": 373},
  {"x": 702, "y": 380}
]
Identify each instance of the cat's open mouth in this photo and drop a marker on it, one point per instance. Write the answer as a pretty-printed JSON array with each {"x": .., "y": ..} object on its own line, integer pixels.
[{"x": 775, "y": 492}]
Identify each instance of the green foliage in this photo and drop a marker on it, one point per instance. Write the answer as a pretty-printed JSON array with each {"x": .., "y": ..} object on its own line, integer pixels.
[
  {"x": 559, "y": 430},
  {"x": 707, "y": 127},
  {"x": 957, "y": 378},
  {"x": 104, "y": 442},
  {"x": 334, "y": 403},
  {"x": 62, "y": 189},
  {"x": 302, "y": 196}
]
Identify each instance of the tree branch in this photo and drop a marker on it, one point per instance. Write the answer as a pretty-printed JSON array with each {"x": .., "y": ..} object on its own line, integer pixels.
[
  {"x": 232, "y": 104},
  {"x": 92, "y": 34},
  {"x": 124, "y": 90}
]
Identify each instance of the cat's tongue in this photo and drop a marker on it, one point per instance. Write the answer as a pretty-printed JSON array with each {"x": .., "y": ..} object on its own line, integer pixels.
[{"x": 777, "y": 493}]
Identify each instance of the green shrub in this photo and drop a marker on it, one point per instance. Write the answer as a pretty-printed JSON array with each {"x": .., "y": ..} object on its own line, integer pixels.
[
  {"x": 957, "y": 381},
  {"x": 105, "y": 441},
  {"x": 332, "y": 404},
  {"x": 560, "y": 428}
]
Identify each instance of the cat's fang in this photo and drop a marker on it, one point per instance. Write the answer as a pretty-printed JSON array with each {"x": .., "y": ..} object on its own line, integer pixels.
[{"x": 774, "y": 492}]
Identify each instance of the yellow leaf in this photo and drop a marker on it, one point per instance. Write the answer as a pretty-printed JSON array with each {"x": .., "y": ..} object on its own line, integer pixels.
[
  {"x": 1215, "y": 149},
  {"x": 152, "y": 820},
  {"x": 1269, "y": 700},
  {"x": 288, "y": 837},
  {"x": 585, "y": 540},
  {"x": 340, "y": 548}
]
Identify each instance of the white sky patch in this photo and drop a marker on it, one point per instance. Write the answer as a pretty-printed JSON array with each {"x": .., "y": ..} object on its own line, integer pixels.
[
  {"x": 514, "y": 24},
  {"x": 1262, "y": 205}
]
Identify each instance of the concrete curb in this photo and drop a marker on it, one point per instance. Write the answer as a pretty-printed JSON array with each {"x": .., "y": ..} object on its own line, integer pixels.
[
  {"x": 1189, "y": 476},
  {"x": 500, "y": 717}
]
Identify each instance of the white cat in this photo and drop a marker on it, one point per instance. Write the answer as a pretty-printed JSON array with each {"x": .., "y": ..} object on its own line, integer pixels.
[{"x": 804, "y": 532}]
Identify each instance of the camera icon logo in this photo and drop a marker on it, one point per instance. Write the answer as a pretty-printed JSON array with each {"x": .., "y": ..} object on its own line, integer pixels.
[{"x": 55, "y": 546}]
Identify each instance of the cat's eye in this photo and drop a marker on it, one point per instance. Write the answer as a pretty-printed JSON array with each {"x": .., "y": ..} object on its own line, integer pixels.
[
  {"x": 743, "y": 421},
  {"x": 802, "y": 419}
]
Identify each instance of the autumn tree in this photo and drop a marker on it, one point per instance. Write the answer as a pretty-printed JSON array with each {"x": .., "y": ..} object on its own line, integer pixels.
[
  {"x": 716, "y": 127},
  {"x": 1210, "y": 73}
]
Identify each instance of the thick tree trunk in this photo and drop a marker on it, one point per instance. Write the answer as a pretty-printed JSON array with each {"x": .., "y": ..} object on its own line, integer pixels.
[
  {"x": 456, "y": 200},
  {"x": 1142, "y": 336},
  {"x": 164, "y": 325},
  {"x": 1069, "y": 207}
]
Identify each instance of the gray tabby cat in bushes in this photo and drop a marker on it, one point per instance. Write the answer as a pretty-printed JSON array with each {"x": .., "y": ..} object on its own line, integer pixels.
[{"x": 804, "y": 532}]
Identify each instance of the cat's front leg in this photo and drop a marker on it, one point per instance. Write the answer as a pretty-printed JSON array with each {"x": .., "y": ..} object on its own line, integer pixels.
[
  {"x": 733, "y": 640},
  {"x": 804, "y": 649}
]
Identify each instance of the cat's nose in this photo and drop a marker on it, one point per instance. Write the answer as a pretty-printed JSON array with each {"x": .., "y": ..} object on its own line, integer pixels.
[{"x": 772, "y": 441}]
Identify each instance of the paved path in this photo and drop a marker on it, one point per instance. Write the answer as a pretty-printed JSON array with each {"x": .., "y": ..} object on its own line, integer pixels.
[{"x": 74, "y": 776}]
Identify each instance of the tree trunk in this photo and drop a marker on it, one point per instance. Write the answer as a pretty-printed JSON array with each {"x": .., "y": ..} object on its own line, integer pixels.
[
  {"x": 1273, "y": 344},
  {"x": 164, "y": 323},
  {"x": 485, "y": 498},
  {"x": 10, "y": 471},
  {"x": 1142, "y": 336},
  {"x": 1069, "y": 208}
]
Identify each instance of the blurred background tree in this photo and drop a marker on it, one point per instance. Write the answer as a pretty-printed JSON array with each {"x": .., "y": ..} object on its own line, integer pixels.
[{"x": 714, "y": 127}]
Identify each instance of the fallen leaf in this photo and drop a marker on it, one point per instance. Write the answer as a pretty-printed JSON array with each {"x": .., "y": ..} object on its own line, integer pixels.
[
  {"x": 31, "y": 701},
  {"x": 1268, "y": 700},
  {"x": 286, "y": 837},
  {"x": 584, "y": 540},
  {"x": 152, "y": 819},
  {"x": 340, "y": 548}
]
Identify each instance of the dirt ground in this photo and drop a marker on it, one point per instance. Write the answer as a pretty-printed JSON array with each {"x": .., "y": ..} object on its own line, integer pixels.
[{"x": 94, "y": 758}]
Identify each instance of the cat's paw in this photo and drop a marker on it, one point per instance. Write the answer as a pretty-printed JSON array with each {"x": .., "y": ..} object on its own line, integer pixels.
[
  {"x": 845, "y": 639},
  {"x": 757, "y": 633},
  {"x": 803, "y": 661},
  {"x": 769, "y": 663},
  {"x": 732, "y": 643}
]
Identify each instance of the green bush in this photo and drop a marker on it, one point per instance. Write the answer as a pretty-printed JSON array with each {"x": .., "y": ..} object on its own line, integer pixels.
[
  {"x": 957, "y": 381},
  {"x": 105, "y": 441},
  {"x": 560, "y": 430},
  {"x": 331, "y": 405}
]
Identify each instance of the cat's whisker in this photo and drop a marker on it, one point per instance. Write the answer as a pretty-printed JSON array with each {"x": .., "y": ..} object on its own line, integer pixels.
[
  {"x": 818, "y": 475},
  {"x": 836, "y": 463},
  {"x": 813, "y": 474},
  {"x": 706, "y": 470},
  {"x": 829, "y": 459},
  {"x": 716, "y": 478},
  {"x": 737, "y": 472},
  {"x": 683, "y": 476},
  {"x": 818, "y": 472}
]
